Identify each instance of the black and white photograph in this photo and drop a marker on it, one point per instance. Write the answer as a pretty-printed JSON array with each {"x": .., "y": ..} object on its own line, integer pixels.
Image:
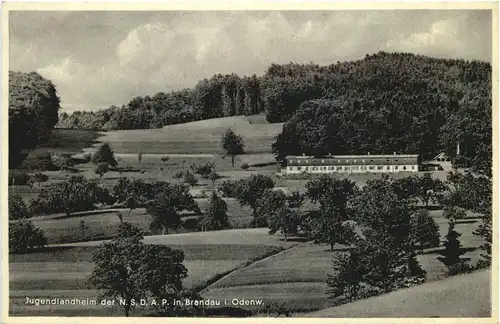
[{"x": 230, "y": 162}]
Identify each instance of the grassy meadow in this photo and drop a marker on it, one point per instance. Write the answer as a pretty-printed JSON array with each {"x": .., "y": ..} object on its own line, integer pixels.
[{"x": 297, "y": 277}]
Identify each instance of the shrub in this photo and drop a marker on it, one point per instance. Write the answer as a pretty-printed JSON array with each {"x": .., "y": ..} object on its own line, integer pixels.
[
  {"x": 17, "y": 207},
  {"x": 190, "y": 178},
  {"x": 454, "y": 212},
  {"x": 165, "y": 159},
  {"x": 101, "y": 169},
  {"x": 87, "y": 157},
  {"x": 18, "y": 178},
  {"x": 39, "y": 161},
  {"x": 245, "y": 166},
  {"x": 23, "y": 235},
  {"x": 227, "y": 188},
  {"x": 204, "y": 170},
  {"x": 63, "y": 161}
]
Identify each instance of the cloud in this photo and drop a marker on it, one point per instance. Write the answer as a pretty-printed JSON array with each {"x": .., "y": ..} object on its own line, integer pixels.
[{"x": 97, "y": 59}]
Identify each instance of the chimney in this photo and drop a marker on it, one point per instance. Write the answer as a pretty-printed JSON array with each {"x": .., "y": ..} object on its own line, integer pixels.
[
  {"x": 303, "y": 154},
  {"x": 394, "y": 153},
  {"x": 368, "y": 153}
]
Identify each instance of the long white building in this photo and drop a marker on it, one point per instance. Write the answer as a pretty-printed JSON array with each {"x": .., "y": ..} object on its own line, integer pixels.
[{"x": 352, "y": 164}]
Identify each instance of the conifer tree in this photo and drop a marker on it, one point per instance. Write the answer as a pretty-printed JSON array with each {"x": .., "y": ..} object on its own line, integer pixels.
[{"x": 451, "y": 256}]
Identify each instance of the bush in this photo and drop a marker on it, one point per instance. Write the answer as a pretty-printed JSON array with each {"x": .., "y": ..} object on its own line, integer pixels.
[
  {"x": 190, "y": 178},
  {"x": 39, "y": 161},
  {"x": 63, "y": 161},
  {"x": 87, "y": 157},
  {"x": 245, "y": 166},
  {"x": 454, "y": 212},
  {"x": 227, "y": 189},
  {"x": 23, "y": 235},
  {"x": 18, "y": 178},
  {"x": 17, "y": 207},
  {"x": 191, "y": 224}
]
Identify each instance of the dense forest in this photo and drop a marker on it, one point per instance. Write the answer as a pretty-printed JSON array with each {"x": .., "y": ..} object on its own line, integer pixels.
[
  {"x": 33, "y": 112},
  {"x": 387, "y": 102}
]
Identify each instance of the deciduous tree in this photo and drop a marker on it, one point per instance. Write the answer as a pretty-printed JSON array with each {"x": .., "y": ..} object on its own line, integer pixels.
[
  {"x": 232, "y": 144},
  {"x": 169, "y": 201},
  {"x": 128, "y": 270}
]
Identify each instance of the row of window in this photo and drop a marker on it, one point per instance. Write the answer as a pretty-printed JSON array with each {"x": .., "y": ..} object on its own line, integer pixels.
[
  {"x": 338, "y": 161},
  {"x": 354, "y": 168}
]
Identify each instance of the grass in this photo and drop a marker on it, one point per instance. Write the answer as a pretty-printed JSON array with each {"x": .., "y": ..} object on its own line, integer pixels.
[
  {"x": 194, "y": 137},
  {"x": 63, "y": 271},
  {"x": 103, "y": 224},
  {"x": 460, "y": 296},
  {"x": 284, "y": 277}
]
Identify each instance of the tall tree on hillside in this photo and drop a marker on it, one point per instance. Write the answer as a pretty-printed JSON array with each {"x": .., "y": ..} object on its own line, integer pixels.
[
  {"x": 167, "y": 204},
  {"x": 327, "y": 190},
  {"x": 233, "y": 144},
  {"x": 216, "y": 217},
  {"x": 269, "y": 205},
  {"x": 428, "y": 188},
  {"x": 250, "y": 190},
  {"x": 104, "y": 154},
  {"x": 127, "y": 269}
]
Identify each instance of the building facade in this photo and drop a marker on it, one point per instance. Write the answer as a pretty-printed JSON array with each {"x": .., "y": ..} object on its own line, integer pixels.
[{"x": 352, "y": 164}]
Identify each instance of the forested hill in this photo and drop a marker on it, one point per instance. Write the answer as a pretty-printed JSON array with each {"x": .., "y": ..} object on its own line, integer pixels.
[{"x": 384, "y": 103}]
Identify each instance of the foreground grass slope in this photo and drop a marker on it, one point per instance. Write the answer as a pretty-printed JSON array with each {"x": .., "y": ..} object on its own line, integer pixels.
[
  {"x": 61, "y": 271},
  {"x": 297, "y": 277},
  {"x": 466, "y": 295}
]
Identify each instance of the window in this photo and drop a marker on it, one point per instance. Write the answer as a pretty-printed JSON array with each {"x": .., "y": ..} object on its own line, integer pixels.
[
  {"x": 307, "y": 161},
  {"x": 339, "y": 168},
  {"x": 354, "y": 161},
  {"x": 346, "y": 161},
  {"x": 380, "y": 167},
  {"x": 315, "y": 168},
  {"x": 404, "y": 168},
  {"x": 363, "y": 161},
  {"x": 298, "y": 161},
  {"x": 413, "y": 167},
  {"x": 322, "y": 161},
  {"x": 371, "y": 167},
  {"x": 388, "y": 167},
  {"x": 338, "y": 161},
  {"x": 396, "y": 167}
]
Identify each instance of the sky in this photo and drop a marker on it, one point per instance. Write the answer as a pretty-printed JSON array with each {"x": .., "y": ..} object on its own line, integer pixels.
[{"x": 102, "y": 58}]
